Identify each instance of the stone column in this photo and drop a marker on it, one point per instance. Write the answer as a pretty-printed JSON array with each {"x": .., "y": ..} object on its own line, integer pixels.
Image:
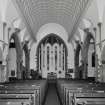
[
  {"x": 75, "y": 71},
  {"x": 28, "y": 63},
  {"x": 85, "y": 50},
  {"x": 96, "y": 60},
  {"x": 19, "y": 53},
  {"x": 100, "y": 25},
  {"x": 7, "y": 60},
  {"x": 0, "y": 71}
]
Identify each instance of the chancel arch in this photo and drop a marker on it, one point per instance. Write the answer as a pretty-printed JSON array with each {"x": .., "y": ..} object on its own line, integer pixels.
[{"x": 52, "y": 56}]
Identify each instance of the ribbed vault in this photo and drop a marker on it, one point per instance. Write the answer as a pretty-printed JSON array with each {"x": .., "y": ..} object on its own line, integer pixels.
[{"x": 39, "y": 12}]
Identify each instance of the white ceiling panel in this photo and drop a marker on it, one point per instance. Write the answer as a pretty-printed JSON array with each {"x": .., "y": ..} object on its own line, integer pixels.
[{"x": 64, "y": 12}]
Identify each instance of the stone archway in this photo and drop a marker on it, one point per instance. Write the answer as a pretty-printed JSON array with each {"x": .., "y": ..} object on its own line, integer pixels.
[
  {"x": 52, "y": 56},
  {"x": 15, "y": 57}
]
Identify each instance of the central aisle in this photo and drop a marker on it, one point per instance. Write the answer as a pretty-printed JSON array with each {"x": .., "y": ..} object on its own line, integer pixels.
[{"x": 52, "y": 98}]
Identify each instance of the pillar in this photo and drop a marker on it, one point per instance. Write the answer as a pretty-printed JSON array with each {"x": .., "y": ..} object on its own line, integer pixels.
[
  {"x": 96, "y": 60},
  {"x": 85, "y": 56},
  {"x": 100, "y": 26},
  {"x": 7, "y": 70},
  {"x": 19, "y": 53}
]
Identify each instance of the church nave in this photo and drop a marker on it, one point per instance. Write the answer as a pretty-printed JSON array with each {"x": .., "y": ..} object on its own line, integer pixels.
[{"x": 52, "y": 52}]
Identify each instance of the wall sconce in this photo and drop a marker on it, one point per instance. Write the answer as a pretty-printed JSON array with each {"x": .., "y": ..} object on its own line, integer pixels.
[
  {"x": 100, "y": 25},
  {"x": 95, "y": 32}
]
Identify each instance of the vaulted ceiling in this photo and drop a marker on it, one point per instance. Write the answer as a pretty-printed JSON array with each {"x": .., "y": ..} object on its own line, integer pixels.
[{"x": 36, "y": 13}]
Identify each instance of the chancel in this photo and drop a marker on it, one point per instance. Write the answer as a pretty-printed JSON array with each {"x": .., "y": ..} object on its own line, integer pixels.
[{"x": 52, "y": 52}]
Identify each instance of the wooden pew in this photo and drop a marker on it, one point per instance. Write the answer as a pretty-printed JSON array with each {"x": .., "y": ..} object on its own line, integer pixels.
[
  {"x": 93, "y": 98},
  {"x": 17, "y": 99},
  {"x": 78, "y": 88},
  {"x": 34, "y": 93},
  {"x": 42, "y": 84},
  {"x": 64, "y": 85},
  {"x": 36, "y": 88},
  {"x": 69, "y": 88}
]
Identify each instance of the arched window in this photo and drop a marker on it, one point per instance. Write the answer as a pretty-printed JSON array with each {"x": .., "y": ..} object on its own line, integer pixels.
[
  {"x": 43, "y": 58},
  {"x": 48, "y": 58},
  {"x": 93, "y": 59},
  {"x": 63, "y": 57},
  {"x": 55, "y": 57},
  {"x": 40, "y": 57}
]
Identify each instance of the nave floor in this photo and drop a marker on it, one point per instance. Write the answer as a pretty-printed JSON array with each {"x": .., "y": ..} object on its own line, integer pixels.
[{"x": 52, "y": 98}]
